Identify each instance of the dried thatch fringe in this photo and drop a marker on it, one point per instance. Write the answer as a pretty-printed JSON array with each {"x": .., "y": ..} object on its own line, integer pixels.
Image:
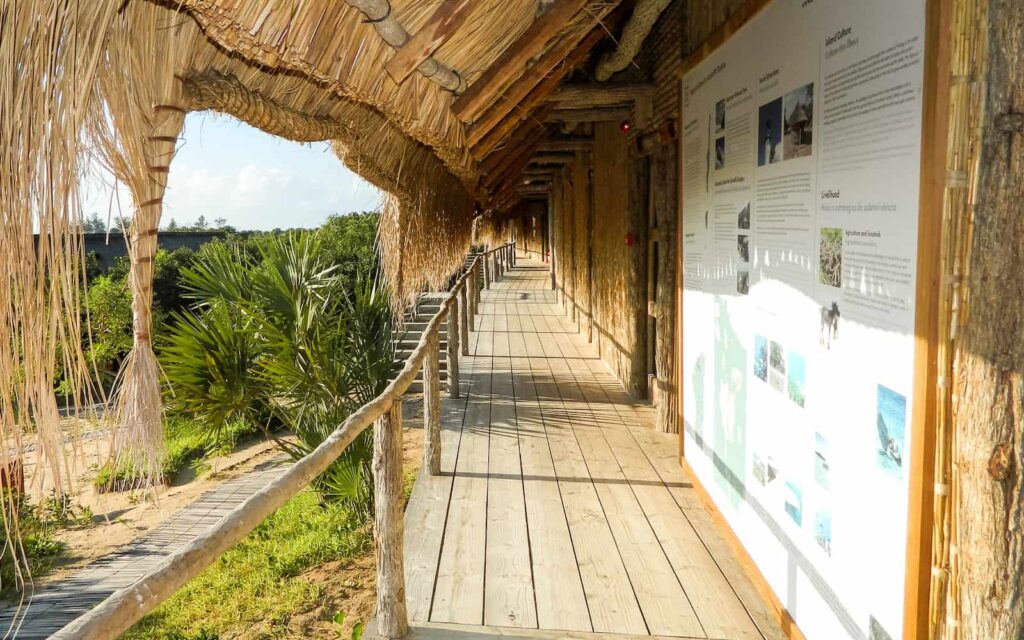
[
  {"x": 49, "y": 52},
  {"x": 226, "y": 94},
  {"x": 145, "y": 102}
]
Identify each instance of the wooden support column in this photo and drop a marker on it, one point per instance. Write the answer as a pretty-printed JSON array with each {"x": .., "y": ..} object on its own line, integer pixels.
[
  {"x": 464, "y": 318},
  {"x": 432, "y": 407},
  {"x": 485, "y": 259},
  {"x": 388, "y": 524},
  {"x": 988, "y": 414},
  {"x": 474, "y": 295},
  {"x": 636, "y": 379},
  {"x": 663, "y": 175},
  {"x": 453, "y": 350}
]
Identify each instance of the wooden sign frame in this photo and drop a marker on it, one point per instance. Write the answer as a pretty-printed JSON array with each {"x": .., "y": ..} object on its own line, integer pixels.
[{"x": 921, "y": 473}]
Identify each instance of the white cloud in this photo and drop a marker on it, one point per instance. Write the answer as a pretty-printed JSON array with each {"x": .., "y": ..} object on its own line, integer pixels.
[{"x": 254, "y": 181}]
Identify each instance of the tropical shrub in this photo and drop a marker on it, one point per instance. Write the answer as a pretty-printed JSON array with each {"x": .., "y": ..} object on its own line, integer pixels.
[{"x": 277, "y": 335}]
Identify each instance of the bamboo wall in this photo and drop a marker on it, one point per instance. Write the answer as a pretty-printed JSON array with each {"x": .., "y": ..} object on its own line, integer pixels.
[
  {"x": 582, "y": 215},
  {"x": 615, "y": 331},
  {"x": 598, "y": 201}
]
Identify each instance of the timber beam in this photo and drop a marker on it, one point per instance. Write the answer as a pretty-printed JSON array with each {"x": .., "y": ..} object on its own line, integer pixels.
[
  {"x": 511, "y": 64},
  {"x": 531, "y": 89},
  {"x": 553, "y": 158},
  {"x": 599, "y": 96},
  {"x": 569, "y": 144},
  {"x": 441, "y": 26},
  {"x": 378, "y": 13},
  {"x": 590, "y": 115}
]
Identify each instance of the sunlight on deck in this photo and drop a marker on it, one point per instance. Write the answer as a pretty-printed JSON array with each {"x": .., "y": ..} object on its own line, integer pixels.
[{"x": 558, "y": 508}]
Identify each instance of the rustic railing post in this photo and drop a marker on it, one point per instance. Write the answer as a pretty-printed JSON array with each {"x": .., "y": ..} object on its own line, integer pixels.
[
  {"x": 432, "y": 406},
  {"x": 477, "y": 289},
  {"x": 471, "y": 284},
  {"x": 487, "y": 270},
  {"x": 453, "y": 350},
  {"x": 392, "y": 618},
  {"x": 464, "y": 319}
]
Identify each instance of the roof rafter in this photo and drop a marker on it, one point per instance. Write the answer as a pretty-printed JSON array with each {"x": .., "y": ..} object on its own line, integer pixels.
[
  {"x": 441, "y": 26},
  {"x": 533, "y": 88},
  {"x": 512, "y": 61},
  {"x": 378, "y": 13},
  {"x": 598, "y": 96}
]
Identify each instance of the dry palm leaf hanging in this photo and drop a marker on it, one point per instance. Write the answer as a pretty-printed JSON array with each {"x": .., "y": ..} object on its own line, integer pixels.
[
  {"x": 49, "y": 53},
  {"x": 144, "y": 115}
]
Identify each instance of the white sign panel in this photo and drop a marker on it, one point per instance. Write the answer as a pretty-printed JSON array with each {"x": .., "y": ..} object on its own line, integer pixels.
[{"x": 801, "y": 163}]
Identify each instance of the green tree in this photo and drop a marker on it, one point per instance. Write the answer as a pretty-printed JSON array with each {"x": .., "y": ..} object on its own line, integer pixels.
[
  {"x": 109, "y": 307},
  {"x": 94, "y": 224}
]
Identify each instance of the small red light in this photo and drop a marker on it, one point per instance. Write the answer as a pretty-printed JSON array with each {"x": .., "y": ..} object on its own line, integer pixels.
[
  {"x": 624, "y": 126},
  {"x": 629, "y": 239}
]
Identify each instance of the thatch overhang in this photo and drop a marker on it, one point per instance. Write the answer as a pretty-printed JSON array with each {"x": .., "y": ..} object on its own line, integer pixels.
[
  {"x": 442, "y": 105},
  {"x": 319, "y": 71}
]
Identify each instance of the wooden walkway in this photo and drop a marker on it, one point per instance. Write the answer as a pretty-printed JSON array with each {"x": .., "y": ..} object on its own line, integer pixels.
[
  {"x": 50, "y": 608},
  {"x": 560, "y": 512}
]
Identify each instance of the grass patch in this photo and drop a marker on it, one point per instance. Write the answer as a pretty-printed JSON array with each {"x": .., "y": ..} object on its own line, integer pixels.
[
  {"x": 254, "y": 588},
  {"x": 187, "y": 442},
  {"x": 36, "y": 526}
]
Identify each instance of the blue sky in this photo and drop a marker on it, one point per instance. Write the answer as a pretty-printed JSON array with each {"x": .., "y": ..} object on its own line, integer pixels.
[{"x": 227, "y": 169}]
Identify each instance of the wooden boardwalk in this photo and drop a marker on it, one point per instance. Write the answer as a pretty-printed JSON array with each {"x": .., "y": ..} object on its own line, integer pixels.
[
  {"x": 50, "y": 608},
  {"x": 560, "y": 512}
]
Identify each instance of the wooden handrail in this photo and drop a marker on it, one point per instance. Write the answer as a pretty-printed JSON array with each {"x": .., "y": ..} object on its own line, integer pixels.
[{"x": 125, "y": 607}]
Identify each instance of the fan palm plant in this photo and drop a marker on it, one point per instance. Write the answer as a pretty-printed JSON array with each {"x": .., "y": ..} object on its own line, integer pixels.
[{"x": 278, "y": 336}]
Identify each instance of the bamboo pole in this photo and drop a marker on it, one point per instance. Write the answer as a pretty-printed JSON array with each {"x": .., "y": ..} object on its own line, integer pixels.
[
  {"x": 432, "y": 408},
  {"x": 388, "y": 525},
  {"x": 464, "y": 320},
  {"x": 391, "y": 31},
  {"x": 453, "y": 350}
]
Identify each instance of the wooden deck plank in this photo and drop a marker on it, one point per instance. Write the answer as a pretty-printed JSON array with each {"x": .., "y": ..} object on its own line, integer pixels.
[
  {"x": 566, "y": 511},
  {"x": 428, "y": 505},
  {"x": 612, "y": 603},
  {"x": 508, "y": 587},
  {"x": 459, "y": 588},
  {"x": 716, "y": 604},
  {"x": 665, "y": 462},
  {"x": 662, "y": 599},
  {"x": 561, "y": 603}
]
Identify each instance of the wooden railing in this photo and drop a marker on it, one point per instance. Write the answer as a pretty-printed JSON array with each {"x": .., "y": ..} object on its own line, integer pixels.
[{"x": 125, "y": 607}]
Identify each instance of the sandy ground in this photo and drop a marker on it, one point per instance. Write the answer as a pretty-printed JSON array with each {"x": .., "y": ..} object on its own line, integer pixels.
[
  {"x": 349, "y": 585},
  {"x": 120, "y": 517}
]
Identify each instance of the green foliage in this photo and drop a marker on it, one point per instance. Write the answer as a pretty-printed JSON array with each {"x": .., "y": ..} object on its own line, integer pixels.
[
  {"x": 258, "y": 581},
  {"x": 168, "y": 290},
  {"x": 109, "y": 306},
  {"x": 349, "y": 243},
  {"x": 36, "y": 526},
  {"x": 276, "y": 331},
  {"x": 187, "y": 442},
  {"x": 339, "y": 623},
  {"x": 338, "y": 366},
  {"x": 212, "y": 358}
]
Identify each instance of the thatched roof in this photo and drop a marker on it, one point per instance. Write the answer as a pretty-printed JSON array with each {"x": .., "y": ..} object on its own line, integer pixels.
[
  {"x": 317, "y": 71},
  {"x": 441, "y": 104}
]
